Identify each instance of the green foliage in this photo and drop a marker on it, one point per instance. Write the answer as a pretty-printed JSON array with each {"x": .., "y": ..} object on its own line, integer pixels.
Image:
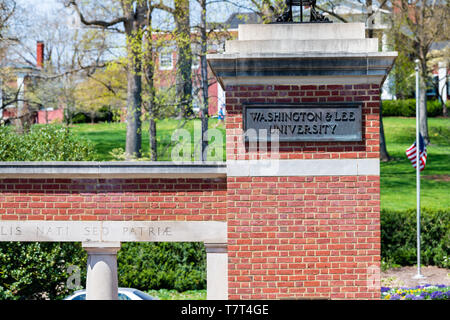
[
  {"x": 44, "y": 143},
  {"x": 398, "y": 237},
  {"x": 404, "y": 84},
  {"x": 164, "y": 294},
  {"x": 38, "y": 270},
  {"x": 407, "y": 108},
  {"x": 80, "y": 118},
  {"x": 179, "y": 266}
]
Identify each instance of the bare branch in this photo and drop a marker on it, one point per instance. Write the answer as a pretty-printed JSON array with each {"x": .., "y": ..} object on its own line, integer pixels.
[
  {"x": 332, "y": 13},
  {"x": 161, "y": 6},
  {"x": 99, "y": 23}
]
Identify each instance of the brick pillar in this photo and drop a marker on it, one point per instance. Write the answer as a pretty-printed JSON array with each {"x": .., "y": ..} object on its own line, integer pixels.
[
  {"x": 312, "y": 228},
  {"x": 305, "y": 223}
]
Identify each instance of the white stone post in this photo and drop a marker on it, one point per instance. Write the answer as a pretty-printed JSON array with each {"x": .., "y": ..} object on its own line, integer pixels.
[
  {"x": 443, "y": 81},
  {"x": 216, "y": 271},
  {"x": 20, "y": 94},
  {"x": 386, "y": 91},
  {"x": 102, "y": 282}
]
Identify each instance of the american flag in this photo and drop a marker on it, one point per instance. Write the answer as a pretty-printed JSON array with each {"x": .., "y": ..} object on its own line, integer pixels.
[{"x": 411, "y": 153}]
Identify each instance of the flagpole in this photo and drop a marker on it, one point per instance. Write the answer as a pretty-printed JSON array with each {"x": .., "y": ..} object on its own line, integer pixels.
[{"x": 418, "y": 275}]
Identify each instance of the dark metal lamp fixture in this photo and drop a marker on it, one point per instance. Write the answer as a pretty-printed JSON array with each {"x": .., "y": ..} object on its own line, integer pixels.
[{"x": 315, "y": 16}]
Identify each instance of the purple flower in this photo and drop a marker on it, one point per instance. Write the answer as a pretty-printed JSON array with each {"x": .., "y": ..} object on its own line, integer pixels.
[
  {"x": 441, "y": 285},
  {"x": 417, "y": 298},
  {"x": 385, "y": 289},
  {"x": 395, "y": 297},
  {"x": 410, "y": 297},
  {"x": 437, "y": 295}
]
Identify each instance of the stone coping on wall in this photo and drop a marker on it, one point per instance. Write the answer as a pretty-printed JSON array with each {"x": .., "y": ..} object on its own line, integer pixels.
[
  {"x": 159, "y": 169},
  {"x": 112, "y": 169}
]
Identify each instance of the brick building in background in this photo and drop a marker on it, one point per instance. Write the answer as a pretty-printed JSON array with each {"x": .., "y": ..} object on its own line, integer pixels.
[{"x": 20, "y": 77}]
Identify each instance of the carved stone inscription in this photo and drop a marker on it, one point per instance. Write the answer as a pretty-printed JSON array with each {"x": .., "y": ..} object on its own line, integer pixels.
[
  {"x": 303, "y": 122},
  {"x": 112, "y": 231}
]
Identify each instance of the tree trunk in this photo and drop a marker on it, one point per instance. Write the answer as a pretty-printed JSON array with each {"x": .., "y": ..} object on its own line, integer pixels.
[
  {"x": 149, "y": 72},
  {"x": 384, "y": 155},
  {"x": 134, "y": 103},
  {"x": 152, "y": 135},
  {"x": 423, "y": 124},
  {"x": 151, "y": 104},
  {"x": 184, "y": 61},
  {"x": 369, "y": 18},
  {"x": 134, "y": 98},
  {"x": 205, "y": 86},
  {"x": 133, "y": 30}
]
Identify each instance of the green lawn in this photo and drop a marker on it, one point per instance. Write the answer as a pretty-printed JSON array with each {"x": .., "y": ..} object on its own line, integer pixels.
[
  {"x": 109, "y": 136},
  {"x": 398, "y": 180},
  {"x": 398, "y": 177},
  {"x": 165, "y": 294}
]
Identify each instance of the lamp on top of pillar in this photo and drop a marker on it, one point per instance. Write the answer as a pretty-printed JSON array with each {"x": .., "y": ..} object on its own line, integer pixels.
[{"x": 288, "y": 15}]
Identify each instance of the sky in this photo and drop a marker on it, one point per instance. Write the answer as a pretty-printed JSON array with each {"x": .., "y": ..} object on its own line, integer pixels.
[
  {"x": 28, "y": 34},
  {"x": 216, "y": 12},
  {"x": 40, "y": 5}
]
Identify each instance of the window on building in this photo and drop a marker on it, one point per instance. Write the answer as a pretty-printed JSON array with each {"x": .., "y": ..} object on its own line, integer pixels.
[{"x": 165, "y": 60}]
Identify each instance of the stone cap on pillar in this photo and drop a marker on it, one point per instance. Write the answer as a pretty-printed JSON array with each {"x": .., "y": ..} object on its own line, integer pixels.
[
  {"x": 101, "y": 247},
  {"x": 301, "y": 54}
]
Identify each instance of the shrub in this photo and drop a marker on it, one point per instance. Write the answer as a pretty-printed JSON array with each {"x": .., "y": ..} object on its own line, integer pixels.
[
  {"x": 38, "y": 270},
  {"x": 80, "y": 118},
  {"x": 399, "y": 234},
  {"x": 44, "y": 143},
  {"x": 407, "y": 108},
  {"x": 164, "y": 265}
]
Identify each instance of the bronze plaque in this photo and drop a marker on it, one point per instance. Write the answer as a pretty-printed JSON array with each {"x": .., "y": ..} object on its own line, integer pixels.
[{"x": 303, "y": 122}]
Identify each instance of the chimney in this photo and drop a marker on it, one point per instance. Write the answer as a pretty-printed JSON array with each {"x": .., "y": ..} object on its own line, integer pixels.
[{"x": 40, "y": 54}]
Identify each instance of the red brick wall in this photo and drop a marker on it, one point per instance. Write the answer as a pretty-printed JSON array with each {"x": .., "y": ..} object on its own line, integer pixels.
[
  {"x": 303, "y": 237},
  {"x": 369, "y": 95},
  {"x": 115, "y": 199},
  {"x": 50, "y": 116}
]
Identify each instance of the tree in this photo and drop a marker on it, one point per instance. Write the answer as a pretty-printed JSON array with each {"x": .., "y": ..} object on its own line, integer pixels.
[
  {"x": 106, "y": 87},
  {"x": 440, "y": 58},
  {"x": 416, "y": 25},
  {"x": 7, "y": 10},
  {"x": 70, "y": 54},
  {"x": 204, "y": 76},
  {"x": 182, "y": 34},
  {"x": 132, "y": 19},
  {"x": 149, "y": 74}
]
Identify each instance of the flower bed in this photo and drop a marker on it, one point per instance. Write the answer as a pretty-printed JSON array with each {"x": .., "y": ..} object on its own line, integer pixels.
[{"x": 425, "y": 292}]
